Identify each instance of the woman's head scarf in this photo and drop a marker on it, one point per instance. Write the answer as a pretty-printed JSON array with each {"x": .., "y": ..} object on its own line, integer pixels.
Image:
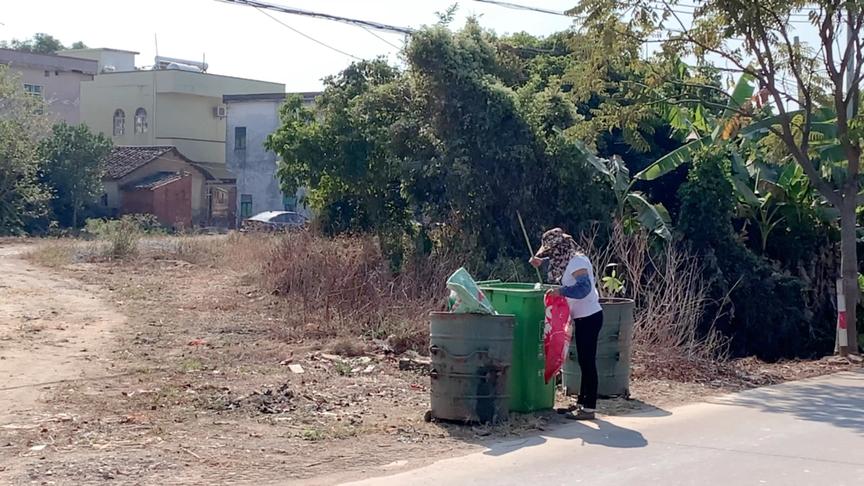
[{"x": 559, "y": 248}]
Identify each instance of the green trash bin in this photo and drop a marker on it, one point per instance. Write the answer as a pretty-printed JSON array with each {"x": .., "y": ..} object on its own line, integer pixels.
[{"x": 528, "y": 390}]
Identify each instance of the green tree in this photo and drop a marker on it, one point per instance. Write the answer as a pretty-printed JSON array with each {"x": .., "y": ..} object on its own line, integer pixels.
[
  {"x": 827, "y": 73},
  {"x": 340, "y": 152},
  {"x": 22, "y": 199},
  {"x": 447, "y": 143},
  {"x": 72, "y": 170},
  {"x": 40, "y": 43},
  {"x": 769, "y": 317}
]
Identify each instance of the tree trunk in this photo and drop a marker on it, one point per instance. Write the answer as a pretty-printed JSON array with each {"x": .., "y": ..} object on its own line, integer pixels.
[{"x": 849, "y": 273}]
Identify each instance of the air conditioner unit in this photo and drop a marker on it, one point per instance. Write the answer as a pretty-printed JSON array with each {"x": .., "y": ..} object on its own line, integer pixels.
[{"x": 220, "y": 111}]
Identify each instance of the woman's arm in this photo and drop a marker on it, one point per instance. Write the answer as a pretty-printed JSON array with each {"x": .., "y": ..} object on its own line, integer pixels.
[{"x": 580, "y": 288}]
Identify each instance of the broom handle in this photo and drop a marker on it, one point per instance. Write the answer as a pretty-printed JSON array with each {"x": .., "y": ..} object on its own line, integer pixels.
[{"x": 528, "y": 242}]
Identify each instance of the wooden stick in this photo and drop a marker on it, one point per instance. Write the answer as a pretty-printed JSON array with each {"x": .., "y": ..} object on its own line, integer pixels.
[{"x": 528, "y": 242}]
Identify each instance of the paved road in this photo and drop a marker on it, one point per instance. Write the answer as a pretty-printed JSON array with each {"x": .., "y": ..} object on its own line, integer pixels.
[{"x": 803, "y": 433}]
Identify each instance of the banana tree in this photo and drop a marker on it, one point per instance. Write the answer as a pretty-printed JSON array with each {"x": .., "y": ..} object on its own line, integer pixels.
[
  {"x": 631, "y": 205},
  {"x": 769, "y": 195},
  {"x": 728, "y": 124}
]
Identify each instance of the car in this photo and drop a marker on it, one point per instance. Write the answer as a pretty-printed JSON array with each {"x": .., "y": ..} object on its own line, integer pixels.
[{"x": 275, "y": 221}]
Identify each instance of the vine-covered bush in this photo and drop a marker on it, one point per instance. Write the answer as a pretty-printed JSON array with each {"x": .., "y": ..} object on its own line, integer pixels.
[{"x": 760, "y": 307}]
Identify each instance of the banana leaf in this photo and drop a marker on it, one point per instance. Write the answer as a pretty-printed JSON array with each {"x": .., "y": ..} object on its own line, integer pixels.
[
  {"x": 742, "y": 92},
  {"x": 672, "y": 160},
  {"x": 654, "y": 217},
  {"x": 761, "y": 127}
]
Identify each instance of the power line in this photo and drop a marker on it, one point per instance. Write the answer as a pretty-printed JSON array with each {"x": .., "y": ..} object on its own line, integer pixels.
[
  {"x": 328, "y": 46},
  {"x": 668, "y": 6},
  {"x": 517, "y": 6},
  {"x": 346, "y": 20},
  {"x": 372, "y": 32}
]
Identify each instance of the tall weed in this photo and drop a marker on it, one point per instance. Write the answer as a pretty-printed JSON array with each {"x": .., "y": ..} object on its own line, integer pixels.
[{"x": 344, "y": 287}]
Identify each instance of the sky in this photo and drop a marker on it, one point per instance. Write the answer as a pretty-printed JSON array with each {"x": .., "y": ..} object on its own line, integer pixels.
[{"x": 241, "y": 41}]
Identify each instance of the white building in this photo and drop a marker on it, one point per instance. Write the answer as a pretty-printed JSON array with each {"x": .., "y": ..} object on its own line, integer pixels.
[
  {"x": 56, "y": 79},
  {"x": 251, "y": 118}
]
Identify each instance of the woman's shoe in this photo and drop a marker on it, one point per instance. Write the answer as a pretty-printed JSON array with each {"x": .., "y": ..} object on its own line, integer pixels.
[{"x": 581, "y": 414}]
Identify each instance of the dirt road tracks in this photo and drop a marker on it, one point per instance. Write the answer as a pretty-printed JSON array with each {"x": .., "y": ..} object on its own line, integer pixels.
[{"x": 52, "y": 334}]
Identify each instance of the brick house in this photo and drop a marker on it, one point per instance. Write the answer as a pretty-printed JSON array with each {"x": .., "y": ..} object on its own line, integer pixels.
[
  {"x": 159, "y": 180},
  {"x": 166, "y": 195}
]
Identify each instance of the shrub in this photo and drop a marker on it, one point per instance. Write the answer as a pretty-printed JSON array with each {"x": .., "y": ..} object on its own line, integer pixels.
[
  {"x": 344, "y": 287},
  {"x": 665, "y": 281},
  {"x": 768, "y": 315},
  {"x": 123, "y": 234}
]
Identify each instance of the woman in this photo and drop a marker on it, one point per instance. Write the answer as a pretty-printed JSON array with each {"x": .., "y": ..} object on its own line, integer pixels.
[{"x": 569, "y": 267}]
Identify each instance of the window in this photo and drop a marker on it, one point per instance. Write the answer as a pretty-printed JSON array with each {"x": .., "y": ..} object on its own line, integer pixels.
[
  {"x": 245, "y": 205},
  {"x": 140, "y": 121},
  {"x": 289, "y": 218},
  {"x": 239, "y": 138},
  {"x": 220, "y": 196},
  {"x": 33, "y": 89},
  {"x": 47, "y": 73},
  {"x": 104, "y": 200},
  {"x": 289, "y": 203},
  {"x": 119, "y": 122}
]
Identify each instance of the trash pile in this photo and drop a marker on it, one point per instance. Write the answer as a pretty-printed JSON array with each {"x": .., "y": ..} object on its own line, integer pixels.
[{"x": 465, "y": 296}]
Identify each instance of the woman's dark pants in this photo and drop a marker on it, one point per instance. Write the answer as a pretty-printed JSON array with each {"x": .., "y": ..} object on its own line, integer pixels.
[{"x": 586, "y": 330}]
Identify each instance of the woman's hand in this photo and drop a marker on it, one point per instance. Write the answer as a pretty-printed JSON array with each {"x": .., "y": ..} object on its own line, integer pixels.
[
  {"x": 535, "y": 262},
  {"x": 553, "y": 291}
]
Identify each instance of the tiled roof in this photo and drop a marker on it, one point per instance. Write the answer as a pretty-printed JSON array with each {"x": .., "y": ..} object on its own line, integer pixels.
[
  {"x": 123, "y": 160},
  {"x": 215, "y": 171},
  {"x": 155, "y": 180}
]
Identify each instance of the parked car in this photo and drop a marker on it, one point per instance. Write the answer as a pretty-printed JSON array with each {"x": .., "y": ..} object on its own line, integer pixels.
[{"x": 275, "y": 221}]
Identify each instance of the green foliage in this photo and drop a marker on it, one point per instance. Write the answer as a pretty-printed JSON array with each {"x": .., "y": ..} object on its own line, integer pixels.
[
  {"x": 768, "y": 314},
  {"x": 22, "y": 199},
  {"x": 39, "y": 44},
  {"x": 756, "y": 37},
  {"x": 342, "y": 154},
  {"x": 72, "y": 169},
  {"x": 446, "y": 143},
  {"x": 613, "y": 283}
]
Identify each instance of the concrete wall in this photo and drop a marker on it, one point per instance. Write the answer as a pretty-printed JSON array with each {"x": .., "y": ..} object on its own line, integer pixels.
[
  {"x": 111, "y": 58},
  {"x": 125, "y": 91},
  {"x": 179, "y": 105},
  {"x": 59, "y": 77},
  {"x": 255, "y": 167},
  {"x": 187, "y": 122}
]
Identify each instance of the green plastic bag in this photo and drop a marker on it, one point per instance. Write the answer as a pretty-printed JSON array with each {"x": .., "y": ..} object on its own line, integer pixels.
[{"x": 465, "y": 296}]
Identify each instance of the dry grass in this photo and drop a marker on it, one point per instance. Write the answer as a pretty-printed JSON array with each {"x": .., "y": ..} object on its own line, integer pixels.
[
  {"x": 329, "y": 288},
  {"x": 52, "y": 254},
  {"x": 670, "y": 299},
  {"x": 202, "y": 367},
  {"x": 342, "y": 287},
  {"x": 61, "y": 252}
]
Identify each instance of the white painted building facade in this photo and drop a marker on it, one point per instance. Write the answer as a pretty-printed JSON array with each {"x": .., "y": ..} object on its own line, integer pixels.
[{"x": 250, "y": 119}]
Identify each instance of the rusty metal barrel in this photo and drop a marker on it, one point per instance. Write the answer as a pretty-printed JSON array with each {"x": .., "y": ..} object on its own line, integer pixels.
[
  {"x": 613, "y": 352},
  {"x": 471, "y": 359}
]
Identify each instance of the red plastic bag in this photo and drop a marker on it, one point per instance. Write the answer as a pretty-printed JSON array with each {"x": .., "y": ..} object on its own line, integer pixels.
[{"x": 556, "y": 333}]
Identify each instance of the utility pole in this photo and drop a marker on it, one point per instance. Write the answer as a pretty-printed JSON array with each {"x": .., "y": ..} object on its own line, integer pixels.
[
  {"x": 850, "y": 66},
  {"x": 847, "y": 344}
]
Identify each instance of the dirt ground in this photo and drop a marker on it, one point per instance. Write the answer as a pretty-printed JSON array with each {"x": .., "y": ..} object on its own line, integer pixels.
[{"x": 166, "y": 370}]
